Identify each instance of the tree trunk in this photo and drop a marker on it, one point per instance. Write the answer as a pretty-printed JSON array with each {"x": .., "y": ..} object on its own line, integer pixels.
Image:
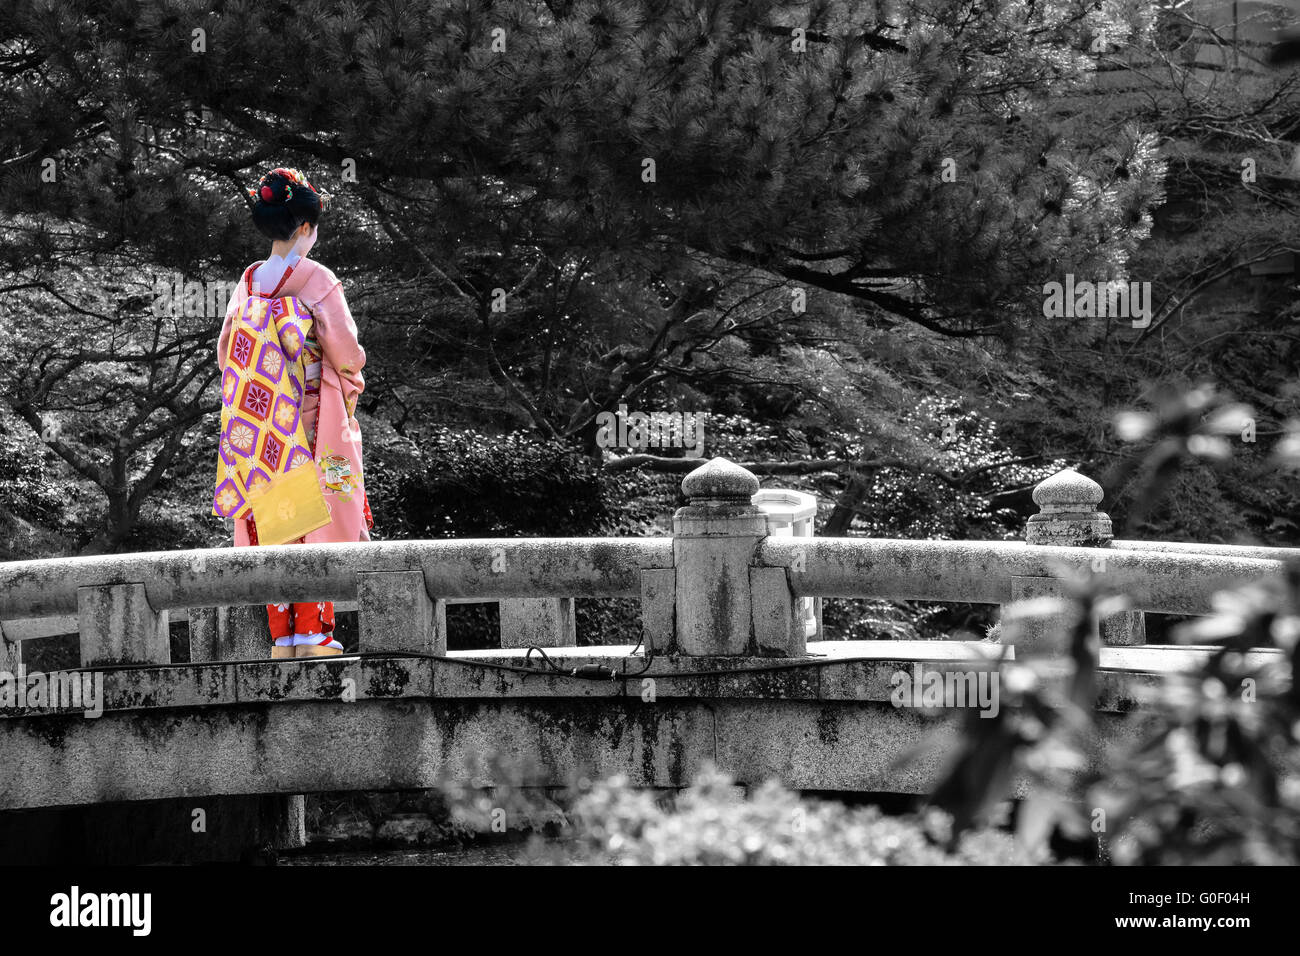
[
  {"x": 120, "y": 516},
  {"x": 841, "y": 517}
]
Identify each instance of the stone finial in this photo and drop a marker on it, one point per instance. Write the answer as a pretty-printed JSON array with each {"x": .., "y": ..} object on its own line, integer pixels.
[
  {"x": 1067, "y": 491},
  {"x": 1068, "y": 512},
  {"x": 719, "y": 480}
]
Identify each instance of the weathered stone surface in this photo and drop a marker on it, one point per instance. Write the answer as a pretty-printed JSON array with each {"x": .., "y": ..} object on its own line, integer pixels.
[
  {"x": 243, "y": 633},
  {"x": 396, "y": 613},
  {"x": 714, "y": 538},
  {"x": 11, "y": 653},
  {"x": 778, "y": 615},
  {"x": 236, "y": 634},
  {"x": 980, "y": 572},
  {"x": 1068, "y": 512},
  {"x": 658, "y": 609},
  {"x": 713, "y": 614},
  {"x": 719, "y": 479},
  {"x": 537, "y": 622},
  {"x": 285, "y": 727},
  {"x": 1067, "y": 490},
  {"x": 1165, "y": 579},
  {"x": 1126, "y": 629},
  {"x": 839, "y": 672},
  {"x": 488, "y": 568},
  {"x": 205, "y": 626},
  {"x": 1219, "y": 550},
  {"x": 117, "y": 625},
  {"x": 229, "y": 633},
  {"x": 344, "y": 679},
  {"x": 814, "y": 745},
  {"x": 1032, "y": 628}
]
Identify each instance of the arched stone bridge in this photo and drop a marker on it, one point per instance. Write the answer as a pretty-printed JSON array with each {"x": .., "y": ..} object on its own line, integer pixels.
[{"x": 731, "y": 668}]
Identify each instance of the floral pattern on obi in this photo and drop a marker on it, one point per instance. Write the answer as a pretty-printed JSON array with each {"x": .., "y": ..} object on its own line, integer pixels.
[{"x": 262, "y": 433}]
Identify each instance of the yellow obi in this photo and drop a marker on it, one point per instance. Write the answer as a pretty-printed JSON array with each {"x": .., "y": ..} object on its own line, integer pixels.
[{"x": 262, "y": 433}]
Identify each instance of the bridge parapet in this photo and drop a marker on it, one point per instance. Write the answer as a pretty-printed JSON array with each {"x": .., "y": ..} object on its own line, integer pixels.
[{"x": 721, "y": 586}]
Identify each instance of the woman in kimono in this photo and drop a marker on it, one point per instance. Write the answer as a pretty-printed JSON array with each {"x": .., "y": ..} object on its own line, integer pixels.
[{"x": 286, "y": 209}]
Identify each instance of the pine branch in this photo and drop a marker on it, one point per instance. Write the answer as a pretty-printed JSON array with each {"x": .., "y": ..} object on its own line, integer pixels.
[{"x": 873, "y": 39}]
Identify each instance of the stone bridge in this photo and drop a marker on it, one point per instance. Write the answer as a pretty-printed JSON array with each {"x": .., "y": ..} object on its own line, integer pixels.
[{"x": 731, "y": 667}]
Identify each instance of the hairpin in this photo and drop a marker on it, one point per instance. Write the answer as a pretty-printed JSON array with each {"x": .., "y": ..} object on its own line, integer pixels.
[{"x": 267, "y": 192}]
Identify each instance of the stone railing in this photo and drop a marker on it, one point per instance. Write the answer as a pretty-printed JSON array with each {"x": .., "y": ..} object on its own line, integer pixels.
[{"x": 724, "y": 584}]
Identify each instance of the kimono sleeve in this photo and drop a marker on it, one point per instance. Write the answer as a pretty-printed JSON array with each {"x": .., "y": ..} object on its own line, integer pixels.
[
  {"x": 232, "y": 307},
  {"x": 223, "y": 343},
  {"x": 336, "y": 332}
]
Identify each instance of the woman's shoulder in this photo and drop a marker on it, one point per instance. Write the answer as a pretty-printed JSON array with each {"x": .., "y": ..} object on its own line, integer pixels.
[
  {"x": 312, "y": 269},
  {"x": 318, "y": 280}
]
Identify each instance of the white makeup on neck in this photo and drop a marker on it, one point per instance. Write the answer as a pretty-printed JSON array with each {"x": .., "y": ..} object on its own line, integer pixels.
[{"x": 267, "y": 276}]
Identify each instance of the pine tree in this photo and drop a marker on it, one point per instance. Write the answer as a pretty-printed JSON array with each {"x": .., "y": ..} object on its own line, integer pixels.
[
  {"x": 815, "y": 143},
  {"x": 555, "y": 207}
]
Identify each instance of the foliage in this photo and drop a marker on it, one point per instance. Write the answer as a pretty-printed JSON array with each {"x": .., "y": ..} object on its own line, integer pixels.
[
  {"x": 467, "y": 484},
  {"x": 29, "y": 487},
  {"x": 1211, "y": 775},
  {"x": 771, "y": 149},
  {"x": 107, "y": 383},
  {"x": 713, "y": 822}
]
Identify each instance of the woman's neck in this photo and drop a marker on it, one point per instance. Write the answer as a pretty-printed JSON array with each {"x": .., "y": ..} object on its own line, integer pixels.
[{"x": 281, "y": 247}]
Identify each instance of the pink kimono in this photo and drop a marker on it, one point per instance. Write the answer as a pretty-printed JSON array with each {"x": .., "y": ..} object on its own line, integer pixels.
[{"x": 337, "y": 434}]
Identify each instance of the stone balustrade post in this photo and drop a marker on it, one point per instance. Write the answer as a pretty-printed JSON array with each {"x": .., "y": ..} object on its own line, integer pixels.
[
  {"x": 658, "y": 610},
  {"x": 537, "y": 622},
  {"x": 11, "y": 653},
  {"x": 207, "y": 625},
  {"x": 239, "y": 632},
  {"x": 396, "y": 613},
  {"x": 117, "y": 625},
  {"x": 1069, "y": 517},
  {"x": 725, "y": 604}
]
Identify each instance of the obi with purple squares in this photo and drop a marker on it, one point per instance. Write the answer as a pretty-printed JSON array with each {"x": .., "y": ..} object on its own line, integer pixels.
[{"x": 262, "y": 431}]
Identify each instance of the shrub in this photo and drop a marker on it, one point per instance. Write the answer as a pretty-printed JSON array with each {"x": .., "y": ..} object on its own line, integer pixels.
[{"x": 715, "y": 822}]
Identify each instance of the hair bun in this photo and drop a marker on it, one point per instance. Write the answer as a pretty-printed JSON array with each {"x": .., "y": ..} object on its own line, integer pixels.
[
  {"x": 282, "y": 200},
  {"x": 277, "y": 186}
]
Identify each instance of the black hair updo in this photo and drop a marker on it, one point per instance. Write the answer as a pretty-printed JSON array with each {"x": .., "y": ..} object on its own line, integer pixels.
[{"x": 282, "y": 201}]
